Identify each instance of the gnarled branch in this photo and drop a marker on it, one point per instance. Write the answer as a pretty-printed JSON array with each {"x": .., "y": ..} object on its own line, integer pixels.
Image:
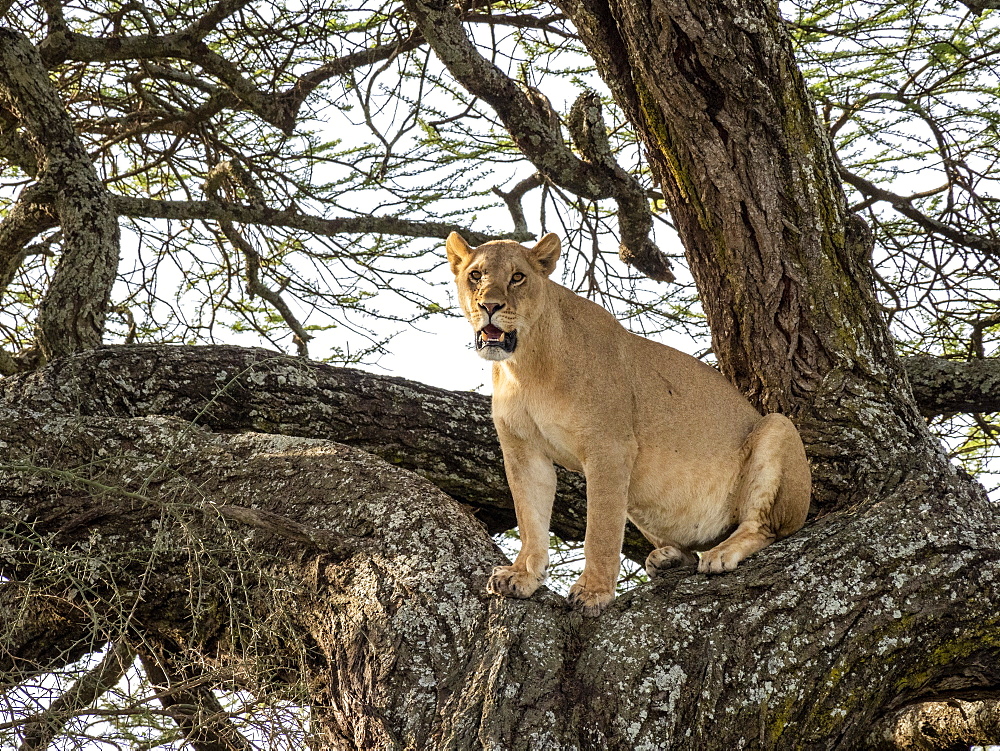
[
  {"x": 71, "y": 316},
  {"x": 534, "y": 126}
]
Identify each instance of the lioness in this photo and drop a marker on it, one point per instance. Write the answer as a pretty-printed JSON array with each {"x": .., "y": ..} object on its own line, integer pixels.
[{"x": 662, "y": 438}]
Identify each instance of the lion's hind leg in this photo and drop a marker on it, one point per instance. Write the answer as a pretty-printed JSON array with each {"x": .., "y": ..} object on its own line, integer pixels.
[{"x": 772, "y": 497}]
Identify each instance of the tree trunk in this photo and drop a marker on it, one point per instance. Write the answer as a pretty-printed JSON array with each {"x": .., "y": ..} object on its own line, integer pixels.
[
  {"x": 782, "y": 269},
  {"x": 363, "y": 585}
]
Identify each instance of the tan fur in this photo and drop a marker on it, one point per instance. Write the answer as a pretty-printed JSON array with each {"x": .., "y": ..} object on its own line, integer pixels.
[{"x": 661, "y": 437}]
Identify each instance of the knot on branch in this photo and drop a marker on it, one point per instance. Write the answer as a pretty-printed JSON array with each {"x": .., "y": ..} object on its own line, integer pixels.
[{"x": 588, "y": 131}]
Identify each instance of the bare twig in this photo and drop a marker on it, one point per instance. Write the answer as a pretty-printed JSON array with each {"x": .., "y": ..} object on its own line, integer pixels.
[{"x": 904, "y": 206}]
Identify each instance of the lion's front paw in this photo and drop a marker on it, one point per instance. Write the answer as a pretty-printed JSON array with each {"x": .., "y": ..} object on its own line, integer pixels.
[
  {"x": 719, "y": 559},
  {"x": 666, "y": 558},
  {"x": 511, "y": 582},
  {"x": 589, "y": 601}
]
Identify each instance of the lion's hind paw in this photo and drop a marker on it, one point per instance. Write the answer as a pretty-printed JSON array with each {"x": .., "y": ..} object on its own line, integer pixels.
[{"x": 668, "y": 557}]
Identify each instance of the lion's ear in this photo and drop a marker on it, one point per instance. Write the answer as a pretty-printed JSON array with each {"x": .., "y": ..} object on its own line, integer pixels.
[
  {"x": 546, "y": 252},
  {"x": 458, "y": 251}
]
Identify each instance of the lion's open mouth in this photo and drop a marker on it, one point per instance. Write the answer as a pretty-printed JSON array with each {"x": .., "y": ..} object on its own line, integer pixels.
[{"x": 492, "y": 336}]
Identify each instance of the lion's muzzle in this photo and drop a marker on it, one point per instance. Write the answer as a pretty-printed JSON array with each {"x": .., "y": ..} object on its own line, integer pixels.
[{"x": 492, "y": 337}]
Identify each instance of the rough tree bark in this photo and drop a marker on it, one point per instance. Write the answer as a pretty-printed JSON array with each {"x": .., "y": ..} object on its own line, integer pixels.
[
  {"x": 378, "y": 577},
  {"x": 445, "y": 436}
]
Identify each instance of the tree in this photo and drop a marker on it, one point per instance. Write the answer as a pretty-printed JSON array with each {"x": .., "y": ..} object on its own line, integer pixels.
[{"x": 188, "y": 506}]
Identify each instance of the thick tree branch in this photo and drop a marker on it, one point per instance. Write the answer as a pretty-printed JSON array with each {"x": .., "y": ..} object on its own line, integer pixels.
[
  {"x": 528, "y": 117},
  {"x": 805, "y": 645},
  {"x": 276, "y": 108},
  {"x": 942, "y": 387},
  {"x": 445, "y": 436},
  {"x": 260, "y": 623},
  {"x": 590, "y": 136}
]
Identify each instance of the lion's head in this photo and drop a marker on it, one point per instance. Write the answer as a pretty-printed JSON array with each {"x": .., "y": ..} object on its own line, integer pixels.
[{"x": 500, "y": 288}]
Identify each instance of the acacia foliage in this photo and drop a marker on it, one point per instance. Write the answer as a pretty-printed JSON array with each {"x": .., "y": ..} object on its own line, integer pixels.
[{"x": 299, "y": 115}]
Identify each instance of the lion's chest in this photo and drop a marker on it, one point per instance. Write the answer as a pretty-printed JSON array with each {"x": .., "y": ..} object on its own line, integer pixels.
[{"x": 542, "y": 422}]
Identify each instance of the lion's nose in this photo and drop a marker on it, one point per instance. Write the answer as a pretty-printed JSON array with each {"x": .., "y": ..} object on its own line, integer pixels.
[{"x": 491, "y": 307}]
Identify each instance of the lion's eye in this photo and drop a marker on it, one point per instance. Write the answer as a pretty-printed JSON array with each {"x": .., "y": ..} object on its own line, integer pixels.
[
  {"x": 517, "y": 278},
  {"x": 475, "y": 275}
]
